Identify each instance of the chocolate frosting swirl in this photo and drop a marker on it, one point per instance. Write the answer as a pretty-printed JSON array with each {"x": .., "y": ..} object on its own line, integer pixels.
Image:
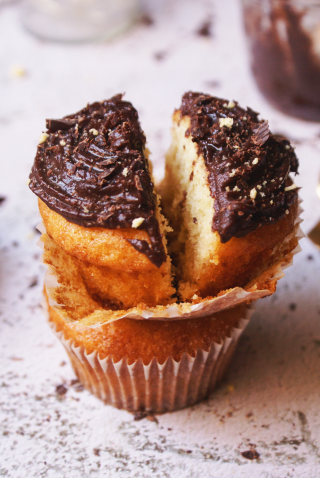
[
  {"x": 91, "y": 169},
  {"x": 248, "y": 166}
]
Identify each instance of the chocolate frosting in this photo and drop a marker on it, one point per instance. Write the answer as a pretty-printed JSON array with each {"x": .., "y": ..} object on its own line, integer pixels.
[
  {"x": 248, "y": 166},
  {"x": 91, "y": 169}
]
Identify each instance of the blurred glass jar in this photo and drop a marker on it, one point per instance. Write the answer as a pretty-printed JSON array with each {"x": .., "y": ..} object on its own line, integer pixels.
[
  {"x": 79, "y": 20},
  {"x": 284, "y": 39}
]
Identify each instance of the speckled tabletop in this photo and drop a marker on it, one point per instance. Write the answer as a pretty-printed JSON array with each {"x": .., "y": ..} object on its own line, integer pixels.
[{"x": 269, "y": 401}]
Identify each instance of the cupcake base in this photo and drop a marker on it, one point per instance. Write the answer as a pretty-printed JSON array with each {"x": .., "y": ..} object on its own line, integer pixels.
[{"x": 154, "y": 387}]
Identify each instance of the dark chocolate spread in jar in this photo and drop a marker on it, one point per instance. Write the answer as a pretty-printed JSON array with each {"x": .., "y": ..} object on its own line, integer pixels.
[
  {"x": 284, "y": 37},
  {"x": 248, "y": 167},
  {"x": 90, "y": 167}
]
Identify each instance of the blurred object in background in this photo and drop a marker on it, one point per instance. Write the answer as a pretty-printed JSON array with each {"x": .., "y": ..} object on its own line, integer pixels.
[
  {"x": 79, "y": 20},
  {"x": 284, "y": 39}
]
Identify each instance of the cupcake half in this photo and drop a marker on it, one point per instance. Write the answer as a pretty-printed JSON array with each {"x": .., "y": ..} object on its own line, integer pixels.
[
  {"x": 97, "y": 201},
  {"x": 228, "y": 195}
]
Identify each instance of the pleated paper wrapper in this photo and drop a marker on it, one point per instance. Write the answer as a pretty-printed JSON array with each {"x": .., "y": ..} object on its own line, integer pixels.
[{"x": 173, "y": 384}]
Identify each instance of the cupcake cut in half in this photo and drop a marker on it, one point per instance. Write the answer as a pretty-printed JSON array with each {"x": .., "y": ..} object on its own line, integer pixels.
[
  {"x": 233, "y": 209},
  {"x": 228, "y": 195},
  {"x": 97, "y": 201}
]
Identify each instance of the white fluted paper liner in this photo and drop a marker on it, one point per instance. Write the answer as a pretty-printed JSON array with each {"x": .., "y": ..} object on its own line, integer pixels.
[
  {"x": 154, "y": 387},
  {"x": 200, "y": 307}
]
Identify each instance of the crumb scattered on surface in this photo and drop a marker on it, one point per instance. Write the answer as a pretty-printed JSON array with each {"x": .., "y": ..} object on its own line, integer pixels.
[
  {"x": 212, "y": 83},
  {"x": 61, "y": 390},
  {"x": 250, "y": 454},
  {"x": 146, "y": 20},
  {"x": 160, "y": 55},
  {"x": 33, "y": 282},
  {"x": 205, "y": 29},
  {"x": 17, "y": 71}
]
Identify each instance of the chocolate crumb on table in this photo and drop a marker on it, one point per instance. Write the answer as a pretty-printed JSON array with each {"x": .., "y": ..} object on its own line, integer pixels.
[
  {"x": 250, "y": 454},
  {"x": 205, "y": 30}
]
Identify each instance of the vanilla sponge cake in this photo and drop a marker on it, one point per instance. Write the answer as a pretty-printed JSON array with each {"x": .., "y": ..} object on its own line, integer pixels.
[
  {"x": 97, "y": 201},
  {"x": 228, "y": 195}
]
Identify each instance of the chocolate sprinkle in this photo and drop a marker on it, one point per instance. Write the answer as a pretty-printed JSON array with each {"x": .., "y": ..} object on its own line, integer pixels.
[
  {"x": 92, "y": 170},
  {"x": 248, "y": 166}
]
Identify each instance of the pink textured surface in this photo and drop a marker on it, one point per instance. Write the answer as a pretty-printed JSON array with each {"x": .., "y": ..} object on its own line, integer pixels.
[{"x": 269, "y": 400}]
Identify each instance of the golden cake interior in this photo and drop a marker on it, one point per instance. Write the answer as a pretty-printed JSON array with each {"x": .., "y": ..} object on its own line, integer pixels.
[{"x": 113, "y": 271}]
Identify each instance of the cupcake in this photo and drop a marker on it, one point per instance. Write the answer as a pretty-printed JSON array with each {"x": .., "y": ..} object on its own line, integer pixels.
[{"x": 136, "y": 337}]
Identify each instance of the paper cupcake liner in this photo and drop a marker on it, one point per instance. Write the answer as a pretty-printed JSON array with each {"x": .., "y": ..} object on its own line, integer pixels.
[
  {"x": 262, "y": 286},
  {"x": 154, "y": 387}
]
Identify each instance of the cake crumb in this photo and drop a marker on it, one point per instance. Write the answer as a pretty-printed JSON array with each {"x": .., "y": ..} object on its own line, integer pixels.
[
  {"x": 228, "y": 122},
  {"x": 125, "y": 172},
  {"x": 137, "y": 222},
  {"x": 255, "y": 161},
  {"x": 231, "y": 105},
  {"x": 62, "y": 142},
  {"x": 195, "y": 297},
  {"x": 94, "y": 131},
  {"x": 17, "y": 71},
  {"x": 287, "y": 211}
]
